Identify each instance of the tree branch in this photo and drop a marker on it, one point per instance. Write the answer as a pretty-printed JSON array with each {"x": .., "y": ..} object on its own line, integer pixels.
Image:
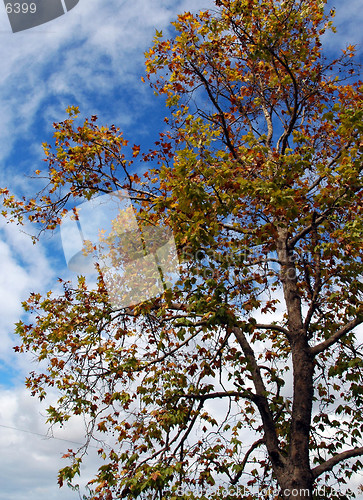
[
  {"x": 336, "y": 336},
  {"x": 218, "y": 395},
  {"x": 231, "y": 227},
  {"x": 331, "y": 163},
  {"x": 277, "y": 328},
  {"x": 308, "y": 229},
  {"x": 255, "y": 445},
  {"x": 294, "y": 115},
  {"x": 339, "y": 457},
  {"x": 261, "y": 402},
  {"x": 220, "y": 111}
]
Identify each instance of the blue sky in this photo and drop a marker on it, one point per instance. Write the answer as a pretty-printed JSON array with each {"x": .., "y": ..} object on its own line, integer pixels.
[{"x": 91, "y": 57}]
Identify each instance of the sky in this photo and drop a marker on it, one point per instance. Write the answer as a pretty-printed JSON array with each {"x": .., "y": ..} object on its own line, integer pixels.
[{"x": 91, "y": 57}]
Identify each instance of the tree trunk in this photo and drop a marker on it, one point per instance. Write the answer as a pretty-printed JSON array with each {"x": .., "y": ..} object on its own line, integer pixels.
[
  {"x": 296, "y": 481},
  {"x": 299, "y": 491}
]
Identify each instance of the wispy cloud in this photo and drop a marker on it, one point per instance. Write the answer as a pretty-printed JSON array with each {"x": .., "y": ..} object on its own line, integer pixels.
[{"x": 91, "y": 57}]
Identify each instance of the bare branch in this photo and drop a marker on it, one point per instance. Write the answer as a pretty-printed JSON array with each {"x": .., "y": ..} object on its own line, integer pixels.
[
  {"x": 272, "y": 442},
  {"x": 294, "y": 114},
  {"x": 336, "y": 336},
  {"x": 291, "y": 243},
  {"x": 255, "y": 445},
  {"x": 231, "y": 227},
  {"x": 277, "y": 328},
  {"x": 336, "y": 459},
  {"x": 220, "y": 111},
  {"x": 218, "y": 395}
]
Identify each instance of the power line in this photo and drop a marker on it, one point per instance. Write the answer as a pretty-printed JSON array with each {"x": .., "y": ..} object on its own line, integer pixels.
[{"x": 43, "y": 435}]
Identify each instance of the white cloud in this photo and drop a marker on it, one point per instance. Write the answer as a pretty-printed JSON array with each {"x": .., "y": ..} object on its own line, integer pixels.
[
  {"x": 93, "y": 49},
  {"x": 24, "y": 268},
  {"x": 348, "y": 21},
  {"x": 31, "y": 460}
]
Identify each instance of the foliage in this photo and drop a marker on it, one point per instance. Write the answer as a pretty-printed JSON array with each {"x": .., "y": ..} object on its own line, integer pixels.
[{"x": 248, "y": 371}]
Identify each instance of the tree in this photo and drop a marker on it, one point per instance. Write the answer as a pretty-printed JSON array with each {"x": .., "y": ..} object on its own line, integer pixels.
[{"x": 259, "y": 175}]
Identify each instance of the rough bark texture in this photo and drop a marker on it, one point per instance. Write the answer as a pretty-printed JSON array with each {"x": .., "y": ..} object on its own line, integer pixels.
[{"x": 296, "y": 478}]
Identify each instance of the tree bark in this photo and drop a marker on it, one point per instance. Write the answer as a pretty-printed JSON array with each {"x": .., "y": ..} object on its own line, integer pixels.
[{"x": 296, "y": 481}]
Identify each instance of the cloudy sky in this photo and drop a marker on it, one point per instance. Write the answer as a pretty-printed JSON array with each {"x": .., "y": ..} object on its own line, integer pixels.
[{"x": 91, "y": 57}]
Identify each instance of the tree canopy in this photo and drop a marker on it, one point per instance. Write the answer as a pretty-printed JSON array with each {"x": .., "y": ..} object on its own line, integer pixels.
[{"x": 247, "y": 369}]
